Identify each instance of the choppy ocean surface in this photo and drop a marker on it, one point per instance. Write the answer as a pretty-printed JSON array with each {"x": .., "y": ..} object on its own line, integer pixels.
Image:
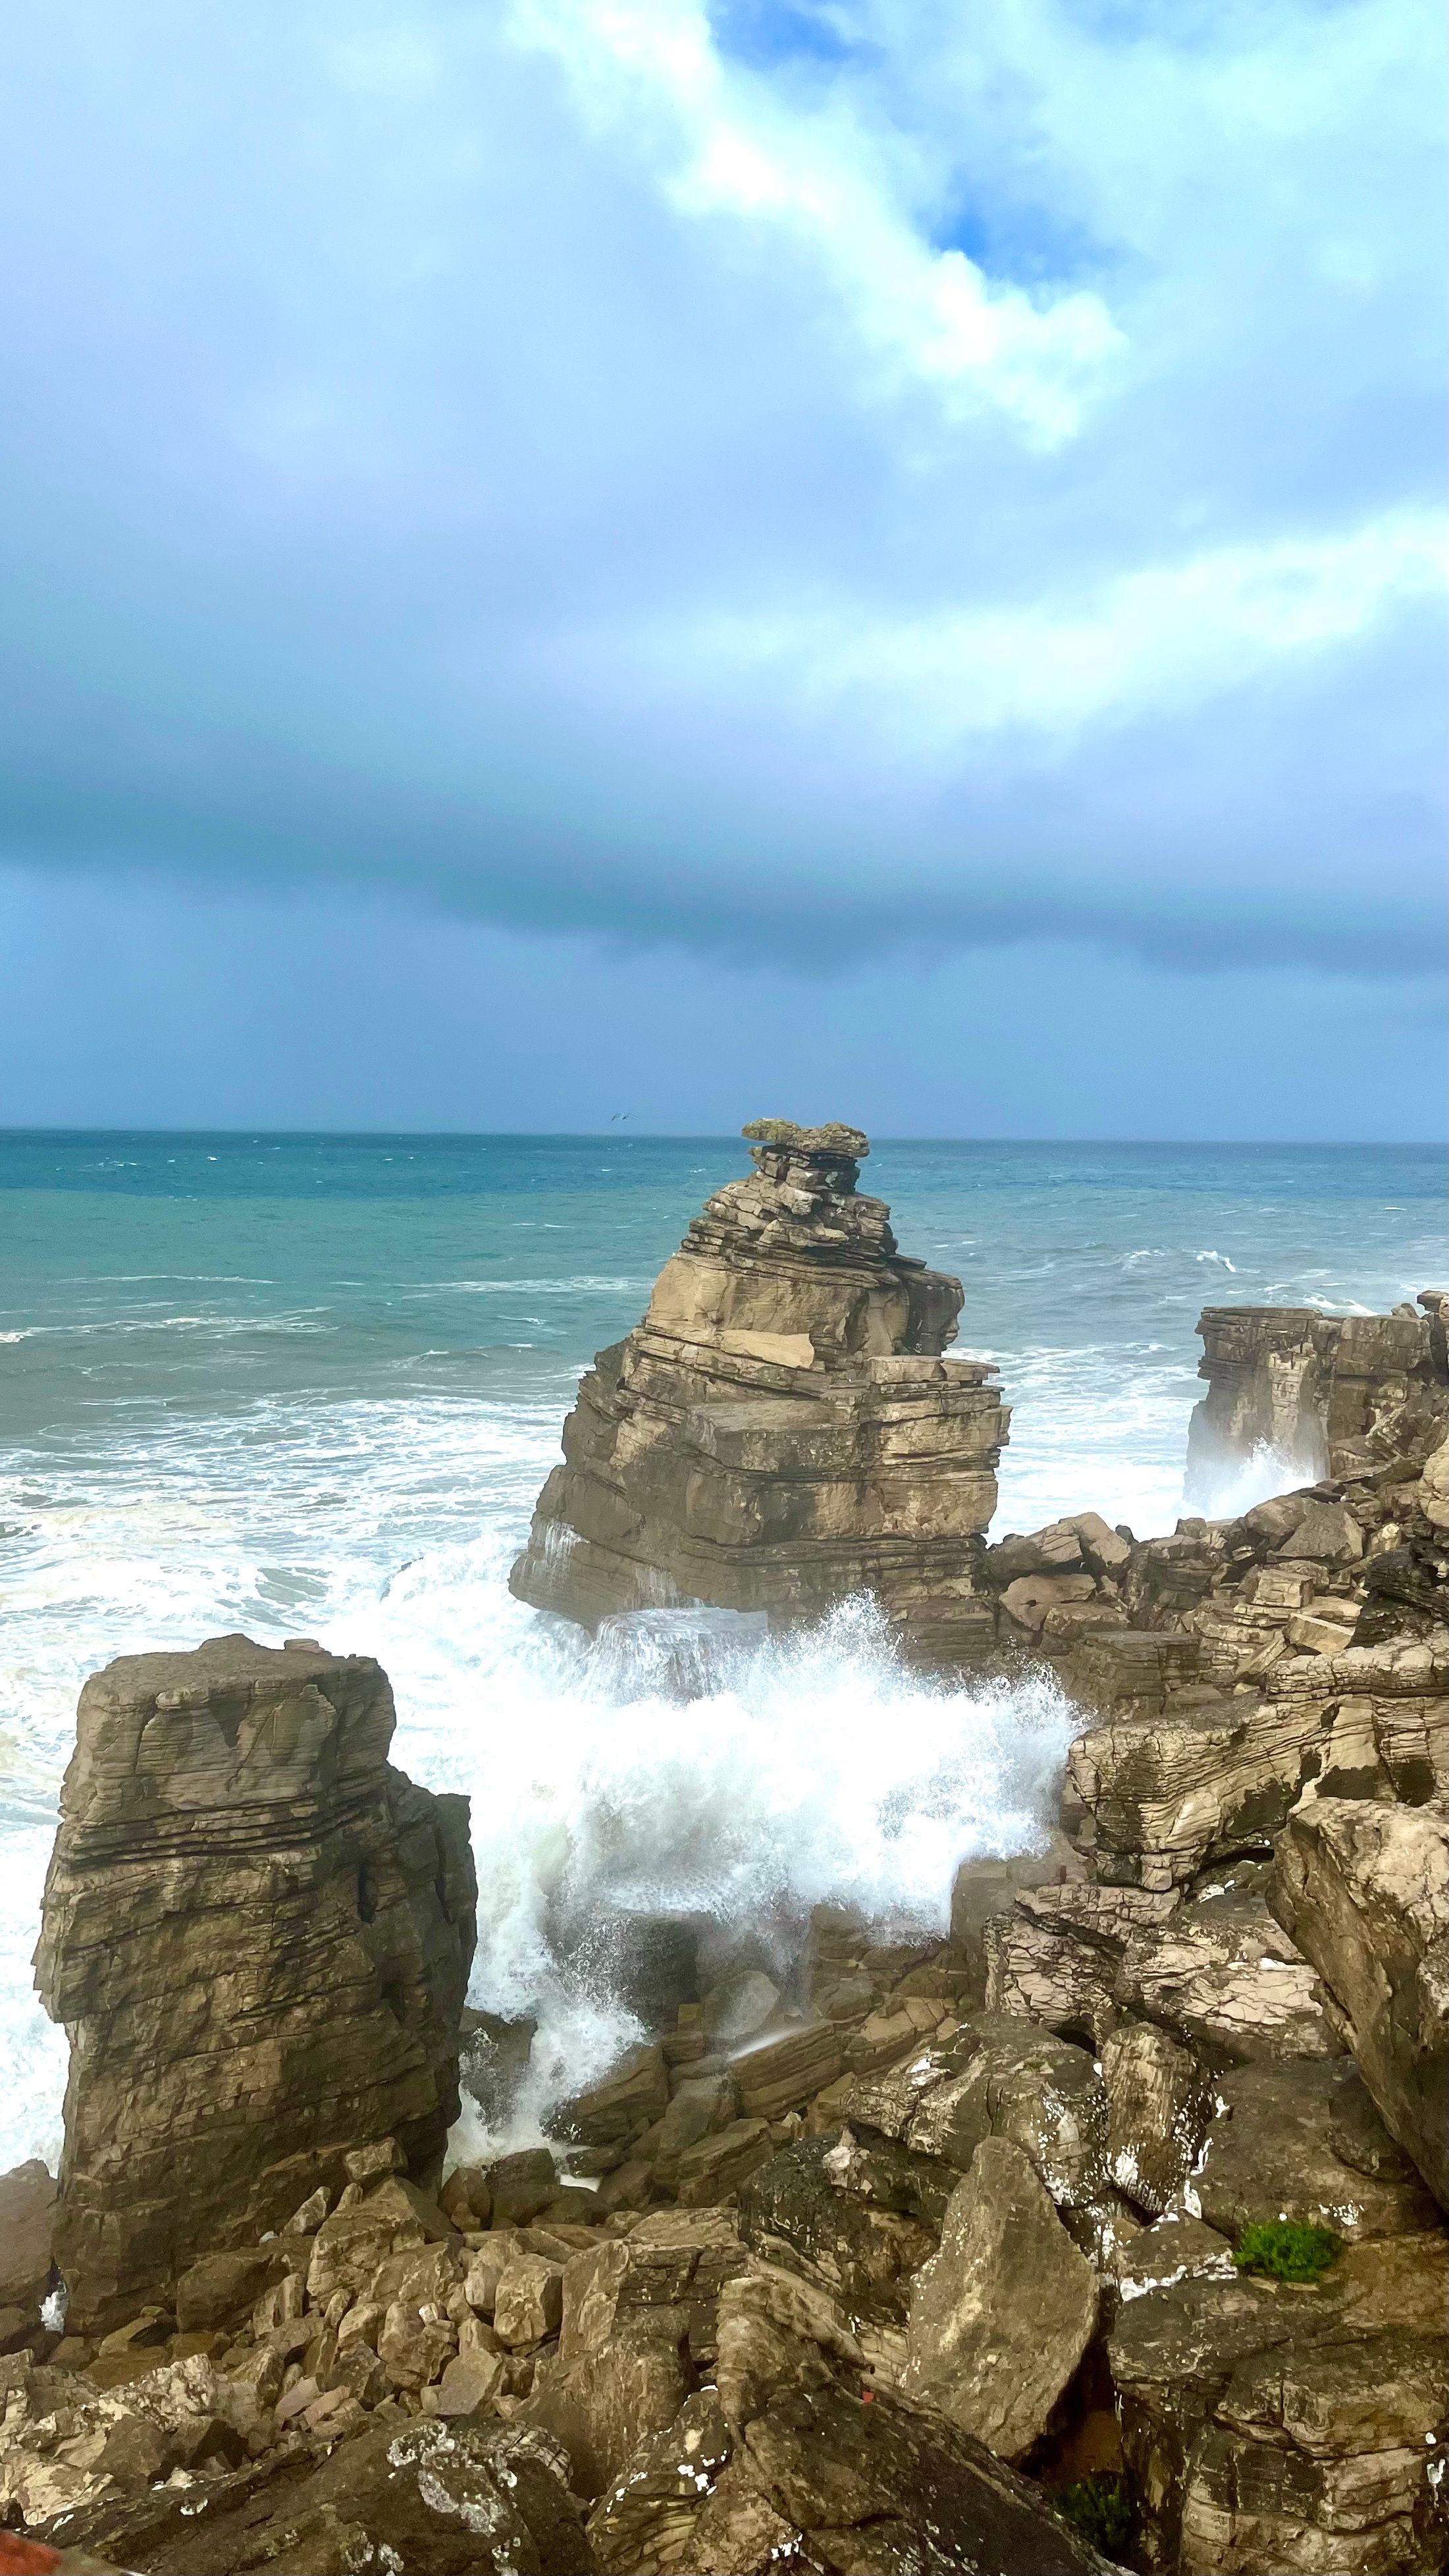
[{"x": 310, "y": 1385}]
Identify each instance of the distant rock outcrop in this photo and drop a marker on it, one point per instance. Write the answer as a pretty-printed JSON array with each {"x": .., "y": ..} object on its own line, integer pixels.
[
  {"x": 258, "y": 1936},
  {"x": 1333, "y": 1395},
  {"x": 783, "y": 1427}
]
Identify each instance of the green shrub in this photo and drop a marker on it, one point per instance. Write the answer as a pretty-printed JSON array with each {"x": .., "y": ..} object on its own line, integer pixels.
[
  {"x": 1283, "y": 2249},
  {"x": 1099, "y": 2508}
]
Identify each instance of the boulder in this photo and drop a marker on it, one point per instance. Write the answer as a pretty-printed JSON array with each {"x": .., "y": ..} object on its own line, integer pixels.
[
  {"x": 782, "y": 1429},
  {"x": 1301, "y": 2141},
  {"x": 738, "y": 2008},
  {"x": 714, "y": 2167},
  {"x": 1364, "y": 1891},
  {"x": 1158, "y": 2108},
  {"x": 780, "y": 2074},
  {"x": 1055, "y": 1955},
  {"x": 1224, "y": 1977},
  {"x": 631, "y": 2311},
  {"x": 258, "y": 1937},
  {"x": 520, "y": 2185},
  {"x": 220, "y": 2288},
  {"x": 1005, "y": 2078},
  {"x": 1002, "y": 2313},
  {"x": 611, "y": 2115},
  {"x": 820, "y": 2479},
  {"x": 1154, "y": 1800},
  {"x": 698, "y": 2109},
  {"x": 423, "y": 2498}
]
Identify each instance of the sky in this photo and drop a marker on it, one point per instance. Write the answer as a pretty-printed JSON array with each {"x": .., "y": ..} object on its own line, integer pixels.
[{"x": 572, "y": 557}]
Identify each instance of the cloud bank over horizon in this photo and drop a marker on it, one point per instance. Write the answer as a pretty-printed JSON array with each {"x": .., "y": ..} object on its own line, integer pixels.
[{"x": 803, "y": 479}]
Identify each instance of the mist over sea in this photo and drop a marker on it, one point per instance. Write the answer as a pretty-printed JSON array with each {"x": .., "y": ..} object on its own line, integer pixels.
[{"x": 311, "y": 1385}]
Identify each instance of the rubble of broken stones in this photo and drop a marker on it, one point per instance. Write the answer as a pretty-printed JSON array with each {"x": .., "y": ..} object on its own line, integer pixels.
[
  {"x": 889, "y": 2284},
  {"x": 939, "y": 2257}
]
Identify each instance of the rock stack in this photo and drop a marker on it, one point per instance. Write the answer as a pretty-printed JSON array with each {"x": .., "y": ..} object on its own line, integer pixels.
[
  {"x": 1334, "y": 1393},
  {"x": 258, "y": 1936},
  {"x": 783, "y": 1428}
]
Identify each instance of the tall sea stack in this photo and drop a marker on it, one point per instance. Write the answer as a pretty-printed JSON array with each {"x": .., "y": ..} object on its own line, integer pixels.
[
  {"x": 783, "y": 1428},
  {"x": 258, "y": 1936}
]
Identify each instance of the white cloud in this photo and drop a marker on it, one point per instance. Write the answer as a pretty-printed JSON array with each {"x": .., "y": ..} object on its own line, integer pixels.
[
  {"x": 726, "y": 142},
  {"x": 1169, "y": 637}
]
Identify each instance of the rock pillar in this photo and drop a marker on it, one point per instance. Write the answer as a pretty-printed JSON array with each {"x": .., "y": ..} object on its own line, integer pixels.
[{"x": 258, "y": 1937}]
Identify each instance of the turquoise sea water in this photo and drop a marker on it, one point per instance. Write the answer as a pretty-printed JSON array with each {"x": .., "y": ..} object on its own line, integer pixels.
[{"x": 312, "y": 1384}]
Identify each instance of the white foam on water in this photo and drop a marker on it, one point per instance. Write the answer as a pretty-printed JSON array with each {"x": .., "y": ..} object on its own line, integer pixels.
[{"x": 680, "y": 1762}]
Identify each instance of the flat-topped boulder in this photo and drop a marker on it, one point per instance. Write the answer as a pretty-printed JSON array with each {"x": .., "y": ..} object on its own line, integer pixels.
[
  {"x": 784, "y": 1427},
  {"x": 258, "y": 1936}
]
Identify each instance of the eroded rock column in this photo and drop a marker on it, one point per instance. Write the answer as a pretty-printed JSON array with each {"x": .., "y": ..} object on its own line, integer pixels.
[{"x": 258, "y": 1935}]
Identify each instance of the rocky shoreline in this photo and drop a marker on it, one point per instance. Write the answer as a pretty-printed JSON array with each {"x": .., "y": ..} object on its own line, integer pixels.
[{"x": 1108, "y": 2230}]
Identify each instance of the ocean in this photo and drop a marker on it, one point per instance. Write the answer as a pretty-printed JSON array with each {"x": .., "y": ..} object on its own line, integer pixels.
[{"x": 311, "y": 1384}]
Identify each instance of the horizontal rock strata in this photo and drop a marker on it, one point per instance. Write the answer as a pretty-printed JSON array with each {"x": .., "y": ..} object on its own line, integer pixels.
[
  {"x": 258, "y": 1937},
  {"x": 784, "y": 1427}
]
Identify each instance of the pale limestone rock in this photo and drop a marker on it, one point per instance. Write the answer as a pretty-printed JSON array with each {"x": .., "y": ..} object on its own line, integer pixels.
[
  {"x": 1001, "y": 2315},
  {"x": 1365, "y": 1891},
  {"x": 258, "y": 1936}
]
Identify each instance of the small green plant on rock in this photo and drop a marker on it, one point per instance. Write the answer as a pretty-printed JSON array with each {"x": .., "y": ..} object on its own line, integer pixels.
[
  {"x": 1099, "y": 2508},
  {"x": 1285, "y": 2249}
]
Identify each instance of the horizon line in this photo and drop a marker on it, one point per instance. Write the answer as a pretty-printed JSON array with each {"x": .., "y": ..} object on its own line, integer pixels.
[{"x": 258, "y": 1133}]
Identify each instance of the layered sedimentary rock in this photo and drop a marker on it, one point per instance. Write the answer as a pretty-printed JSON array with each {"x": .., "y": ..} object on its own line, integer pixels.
[
  {"x": 1329, "y": 1394},
  {"x": 1365, "y": 1892},
  {"x": 258, "y": 1937},
  {"x": 784, "y": 1427}
]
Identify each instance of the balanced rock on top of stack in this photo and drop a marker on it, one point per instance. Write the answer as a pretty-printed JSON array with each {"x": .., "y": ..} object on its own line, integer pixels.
[{"x": 783, "y": 1427}]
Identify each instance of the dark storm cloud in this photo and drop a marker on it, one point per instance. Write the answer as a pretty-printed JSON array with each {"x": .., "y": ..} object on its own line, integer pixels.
[{"x": 544, "y": 465}]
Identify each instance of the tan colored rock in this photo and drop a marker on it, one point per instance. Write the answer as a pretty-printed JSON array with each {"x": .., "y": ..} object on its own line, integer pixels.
[
  {"x": 1326, "y": 1391},
  {"x": 1056, "y": 1954},
  {"x": 528, "y": 2302},
  {"x": 715, "y": 2167},
  {"x": 1301, "y": 2141},
  {"x": 782, "y": 1429},
  {"x": 1001, "y": 2315},
  {"x": 1365, "y": 1891},
  {"x": 782, "y": 2073},
  {"x": 696, "y": 2110},
  {"x": 1297, "y": 2431},
  {"x": 1158, "y": 2109},
  {"x": 857, "y": 2222},
  {"x": 1009, "y": 2079},
  {"x": 27, "y": 2221},
  {"x": 1224, "y": 1977},
  {"x": 258, "y": 1937},
  {"x": 414, "y": 2349},
  {"x": 1152, "y": 1800}
]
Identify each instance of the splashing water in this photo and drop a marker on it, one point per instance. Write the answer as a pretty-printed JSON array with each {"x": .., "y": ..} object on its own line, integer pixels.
[
  {"x": 811, "y": 1767},
  {"x": 312, "y": 1385}
]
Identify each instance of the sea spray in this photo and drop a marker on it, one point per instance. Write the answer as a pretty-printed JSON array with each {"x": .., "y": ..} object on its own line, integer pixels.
[{"x": 812, "y": 1767}]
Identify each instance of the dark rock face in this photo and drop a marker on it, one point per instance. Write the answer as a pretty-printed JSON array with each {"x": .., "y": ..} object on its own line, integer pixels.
[
  {"x": 416, "y": 2498},
  {"x": 258, "y": 1936},
  {"x": 782, "y": 1429},
  {"x": 27, "y": 2221}
]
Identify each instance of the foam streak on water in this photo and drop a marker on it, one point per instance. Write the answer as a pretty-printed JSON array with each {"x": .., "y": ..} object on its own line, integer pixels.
[{"x": 312, "y": 1386}]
